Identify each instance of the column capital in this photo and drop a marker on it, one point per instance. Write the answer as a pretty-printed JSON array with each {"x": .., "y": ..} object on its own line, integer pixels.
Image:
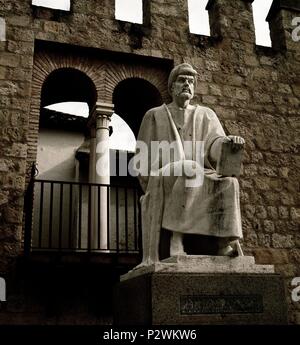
[
  {"x": 106, "y": 109},
  {"x": 100, "y": 110}
]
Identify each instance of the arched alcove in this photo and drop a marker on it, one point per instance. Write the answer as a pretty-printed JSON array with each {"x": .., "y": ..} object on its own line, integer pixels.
[
  {"x": 132, "y": 97},
  {"x": 68, "y": 84},
  {"x": 62, "y": 132}
]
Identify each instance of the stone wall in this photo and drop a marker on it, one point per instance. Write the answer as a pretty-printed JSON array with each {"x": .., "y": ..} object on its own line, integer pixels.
[{"x": 254, "y": 90}]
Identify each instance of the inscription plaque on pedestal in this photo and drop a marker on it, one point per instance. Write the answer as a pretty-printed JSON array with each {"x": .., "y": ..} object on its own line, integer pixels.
[{"x": 232, "y": 304}]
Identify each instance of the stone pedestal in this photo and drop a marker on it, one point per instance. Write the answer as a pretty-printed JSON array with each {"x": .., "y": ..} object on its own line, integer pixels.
[{"x": 199, "y": 290}]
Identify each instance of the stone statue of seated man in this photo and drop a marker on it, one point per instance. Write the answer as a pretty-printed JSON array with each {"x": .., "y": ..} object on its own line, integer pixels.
[{"x": 177, "y": 202}]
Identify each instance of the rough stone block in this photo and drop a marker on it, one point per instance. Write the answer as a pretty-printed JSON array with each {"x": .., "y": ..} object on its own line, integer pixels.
[
  {"x": 282, "y": 241},
  {"x": 9, "y": 59}
]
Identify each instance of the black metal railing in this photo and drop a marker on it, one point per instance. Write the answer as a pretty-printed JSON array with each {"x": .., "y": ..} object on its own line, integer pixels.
[{"x": 82, "y": 217}]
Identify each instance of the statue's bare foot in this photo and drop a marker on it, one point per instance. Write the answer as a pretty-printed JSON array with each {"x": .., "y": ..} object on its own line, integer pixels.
[
  {"x": 229, "y": 248},
  {"x": 237, "y": 247},
  {"x": 177, "y": 253},
  {"x": 176, "y": 245},
  {"x": 227, "y": 251},
  {"x": 144, "y": 263}
]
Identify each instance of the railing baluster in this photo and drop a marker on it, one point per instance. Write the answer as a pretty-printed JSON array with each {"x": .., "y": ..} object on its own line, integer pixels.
[
  {"x": 50, "y": 215},
  {"x": 41, "y": 214},
  {"x": 126, "y": 219},
  {"x": 108, "y": 189},
  {"x": 89, "y": 219},
  {"x": 28, "y": 210},
  {"x": 80, "y": 216},
  {"x": 70, "y": 215},
  {"x": 117, "y": 220},
  {"x": 98, "y": 216},
  {"x": 135, "y": 220},
  {"x": 60, "y": 215}
]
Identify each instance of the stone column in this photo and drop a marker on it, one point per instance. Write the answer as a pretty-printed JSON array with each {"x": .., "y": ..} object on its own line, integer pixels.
[
  {"x": 103, "y": 114},
  {"x": 92, "y": 159},
  {"x": 92, "y": 179}
]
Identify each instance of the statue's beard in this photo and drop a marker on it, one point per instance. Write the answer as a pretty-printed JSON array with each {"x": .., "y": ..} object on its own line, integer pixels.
[{"x": 183, "y": 93}]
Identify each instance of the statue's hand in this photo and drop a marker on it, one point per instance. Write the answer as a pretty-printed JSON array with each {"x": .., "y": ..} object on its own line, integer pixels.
[{"x": 237, "y": 143}]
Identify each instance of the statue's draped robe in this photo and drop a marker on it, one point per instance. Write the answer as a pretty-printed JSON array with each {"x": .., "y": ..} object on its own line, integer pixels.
[{"x": 210, "y": 209}]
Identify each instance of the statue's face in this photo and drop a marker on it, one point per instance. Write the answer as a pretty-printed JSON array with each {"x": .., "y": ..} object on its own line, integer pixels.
[{"x": 183, "y": 86}]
